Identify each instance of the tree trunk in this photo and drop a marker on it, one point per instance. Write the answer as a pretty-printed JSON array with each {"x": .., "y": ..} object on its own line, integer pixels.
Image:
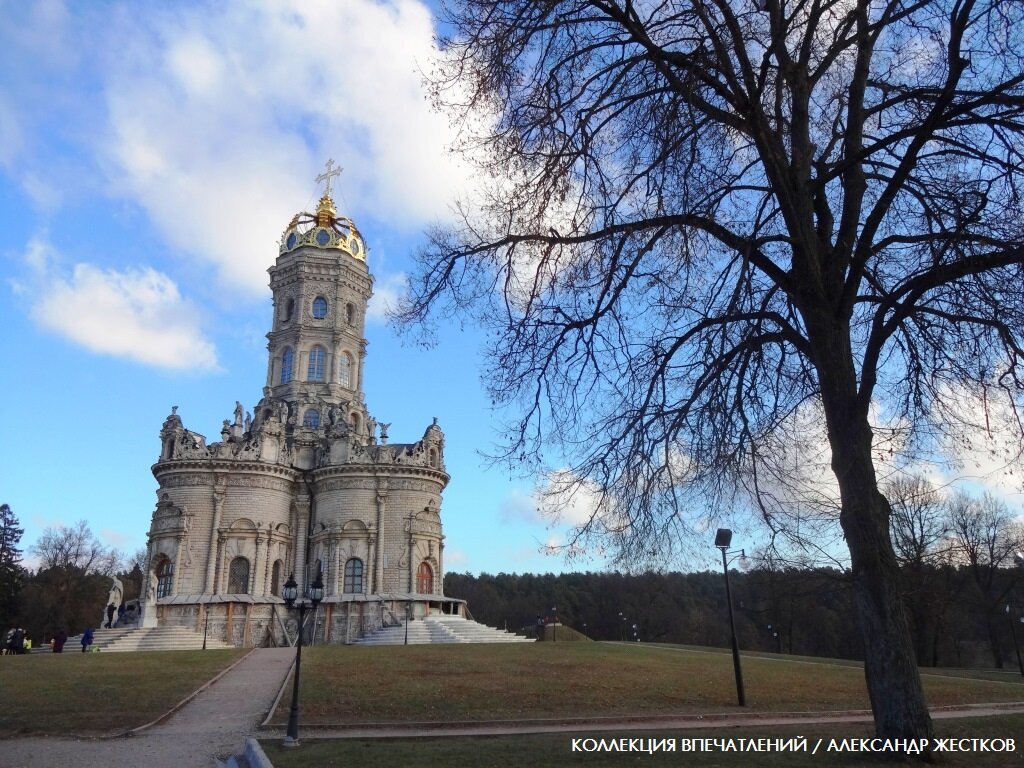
[
  {"x": 993, "y": 639},
  {"x": 890, "y": 667}
]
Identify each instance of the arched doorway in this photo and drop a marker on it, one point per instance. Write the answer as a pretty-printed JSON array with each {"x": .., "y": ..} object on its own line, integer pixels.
[{"x": 425, "y": 579}]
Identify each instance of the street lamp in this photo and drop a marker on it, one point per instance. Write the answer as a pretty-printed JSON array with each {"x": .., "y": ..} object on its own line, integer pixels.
[
  {"x": 314, "y": 595},
  {"x": 408, "y": 614},
  {"x": 554, "y": 627},
  {"x": 722, "y": 540},
  {"x": 623, "y": 635}
]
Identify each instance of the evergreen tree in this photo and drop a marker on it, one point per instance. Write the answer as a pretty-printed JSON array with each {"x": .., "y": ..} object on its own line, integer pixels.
[{"x": 11, "y": 572}]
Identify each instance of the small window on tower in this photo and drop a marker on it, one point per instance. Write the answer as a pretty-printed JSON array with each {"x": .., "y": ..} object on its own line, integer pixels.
[
  {"x": 287, "y": 365},
  {"x": 311, "y": 418},
  {"x": 317, "y": 359},
  {"x": 319, "y": 307},
  {"x": 350, "y": 314},
  {"x": 345, "y": 370},
  {"x": 288, "y": 311}
]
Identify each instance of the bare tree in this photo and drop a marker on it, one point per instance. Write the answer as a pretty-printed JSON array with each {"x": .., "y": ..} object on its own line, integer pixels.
[
  {"x": 921, "y": 540},
  {"x": 985, "y": 536},
  {"x": 75, "y": 547},
  {"x": 700, "y": 217},
  {"x": 920, "y": 534}
]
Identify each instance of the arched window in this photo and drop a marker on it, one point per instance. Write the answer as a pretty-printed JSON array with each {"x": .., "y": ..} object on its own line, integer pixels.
[
  {"x": 319, "y": 307},
  {"x": 345, "y": 370},
  {"x": 288, "y": 310},
  {"x": 317, "y": 358},
  {"x": 432, "y": 457},
  {"x": 311, "y": 418},
  {"x": 287, "y": 365},
  {"x": 425, "y": 579},
  {"x": 354, "y": 576},
  {"x": 238, "y": 576},
  {"x": 164, "y": 577},
  {"x": 350, "y": 314},
  {"x": 275, "y": 578},
  {"x": 355, "y": 423}
]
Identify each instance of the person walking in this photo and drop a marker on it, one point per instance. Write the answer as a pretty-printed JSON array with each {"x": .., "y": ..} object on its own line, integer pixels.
[
  {"x": 86, "y": 639},
  {"x": 59, "y": 639}
]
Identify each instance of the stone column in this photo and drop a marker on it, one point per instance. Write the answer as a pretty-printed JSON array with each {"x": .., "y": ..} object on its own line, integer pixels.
[
  {"x": 220, "y": 584},
  {"x": 302, "y": 509},
  {"x": 371, "y": 562},
  {"x": 378, "y": 566},
  {"x": 177, "y": 562},
  {"x": 254, "y": 584},
  {"x": 210, "y": 587}
]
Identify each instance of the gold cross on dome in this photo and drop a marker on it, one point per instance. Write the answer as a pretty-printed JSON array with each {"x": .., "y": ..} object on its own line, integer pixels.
[{"x": 327, "y": 175}]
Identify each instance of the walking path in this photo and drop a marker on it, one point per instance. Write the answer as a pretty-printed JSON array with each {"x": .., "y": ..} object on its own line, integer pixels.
[{"x": 211, "y": 725}]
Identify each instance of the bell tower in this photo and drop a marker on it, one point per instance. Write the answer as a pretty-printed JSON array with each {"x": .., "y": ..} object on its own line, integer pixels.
[{"x": 321, "y": 286}]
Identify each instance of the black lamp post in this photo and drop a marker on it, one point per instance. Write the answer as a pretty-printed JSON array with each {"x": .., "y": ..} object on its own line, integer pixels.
[
  {"x": 623, "y": 633},
  {"x": 408, "y": 618},
  {"x": 554, "y": 626},
  {"x": 314, "y": 595},
  {"x": 722, "y": 540},
  {"x": 206, "y": 622}
]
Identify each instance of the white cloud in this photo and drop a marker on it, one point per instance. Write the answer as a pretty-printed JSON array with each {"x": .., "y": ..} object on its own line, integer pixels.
[
  {"x": 387, "y": 290},
  {"x": 519, "y": 506},
  {"x": 221, "y": 117},
  {"x": 136, "y": 314}
]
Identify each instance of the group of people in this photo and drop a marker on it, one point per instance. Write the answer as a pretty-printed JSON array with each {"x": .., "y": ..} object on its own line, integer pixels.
[{"x": 17, "y": 641}]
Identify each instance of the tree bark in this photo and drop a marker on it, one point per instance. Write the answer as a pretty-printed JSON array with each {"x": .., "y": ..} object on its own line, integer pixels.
[{"x": 890, "y": 668}]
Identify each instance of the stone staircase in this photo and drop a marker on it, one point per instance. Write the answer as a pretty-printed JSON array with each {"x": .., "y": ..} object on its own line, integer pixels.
[
  {"x": 127, "y": 639},
  {"x": 440, "y": 629}
]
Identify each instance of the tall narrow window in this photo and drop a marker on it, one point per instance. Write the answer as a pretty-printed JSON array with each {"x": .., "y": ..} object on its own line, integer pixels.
[
  {"x": 425, "y": 579},
  {"x": 238, "y": 576},
  {"x": 275, "y": 579},
  {"x": 319, "y": 307},
  {"x": 317, "y": 358},
  {"x": 350, "y": 314},
  {"x": 288, "y": 310},
  {"x": 287, "y": 365},
  {"x": 354, "y": 576},
  {"x": 345, "y": 370},
  {"x": 164, "y": 577}
]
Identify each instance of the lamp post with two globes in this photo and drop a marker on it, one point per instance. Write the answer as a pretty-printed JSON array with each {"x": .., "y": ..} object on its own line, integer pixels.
[{"x": 312, "y": 599}]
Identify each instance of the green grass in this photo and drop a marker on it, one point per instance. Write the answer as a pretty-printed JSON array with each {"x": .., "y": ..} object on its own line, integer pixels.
[
  {"x": 555, "y": 750},
  {"x": 354, "y": 684},
  {"x": 93, "y": 693}
]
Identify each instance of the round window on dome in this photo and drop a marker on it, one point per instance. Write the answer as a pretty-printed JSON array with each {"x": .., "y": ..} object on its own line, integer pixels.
[
  {"x": 292, "y": 240},
  {"x": 322, "y": 237},
  {"x": 319, "y": 307}
]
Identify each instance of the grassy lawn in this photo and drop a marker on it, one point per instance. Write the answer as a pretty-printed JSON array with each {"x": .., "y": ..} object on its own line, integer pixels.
[
  {"x": 347, "y": 685},
  {"x": 555, "y": 750},
  {"x": 92, "y": 693}
]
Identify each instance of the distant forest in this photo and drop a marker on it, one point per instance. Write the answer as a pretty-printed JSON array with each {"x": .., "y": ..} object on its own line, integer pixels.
[{"x": 956, "y": 621}]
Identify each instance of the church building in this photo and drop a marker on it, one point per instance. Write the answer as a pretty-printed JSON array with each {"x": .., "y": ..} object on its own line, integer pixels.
[{"x": 307, "y": 483}]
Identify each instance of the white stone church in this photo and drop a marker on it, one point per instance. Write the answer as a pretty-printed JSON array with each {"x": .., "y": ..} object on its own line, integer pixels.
[{"x": 307, "y": 482}]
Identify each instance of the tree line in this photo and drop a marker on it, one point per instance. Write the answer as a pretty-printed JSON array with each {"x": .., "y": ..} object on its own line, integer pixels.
[
  {"x": 960, "y": 576},
  {"x": 69, "y": 585}
]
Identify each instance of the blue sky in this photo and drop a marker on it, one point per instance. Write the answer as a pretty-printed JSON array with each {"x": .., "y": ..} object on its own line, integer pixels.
[{"x": 151, "y": 154}]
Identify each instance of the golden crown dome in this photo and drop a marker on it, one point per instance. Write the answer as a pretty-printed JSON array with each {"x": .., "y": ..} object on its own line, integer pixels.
[{"x": 324, "y": 228}]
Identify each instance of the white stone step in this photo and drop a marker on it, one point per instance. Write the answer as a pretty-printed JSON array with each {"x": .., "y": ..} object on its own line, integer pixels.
[
  {"x": 441, "y": 629},
  {"x": 128, "y": 639}
]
